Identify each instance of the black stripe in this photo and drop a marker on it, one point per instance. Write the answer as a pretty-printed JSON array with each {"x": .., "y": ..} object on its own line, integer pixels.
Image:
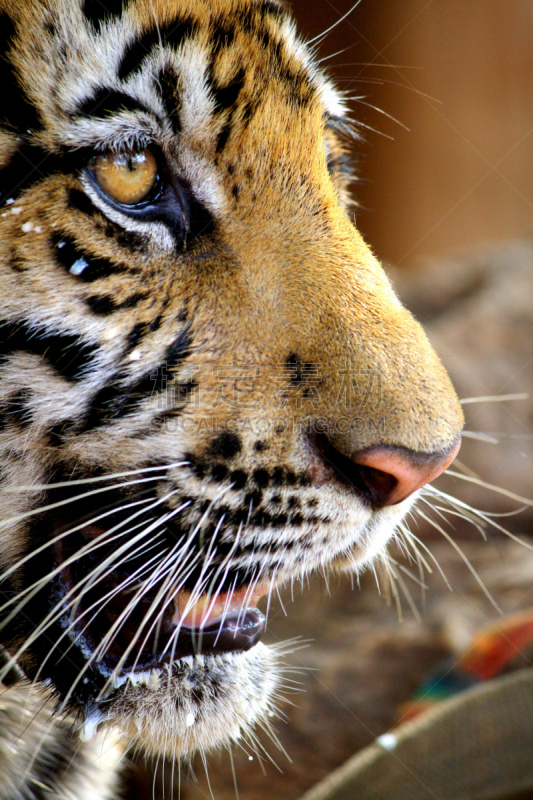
[
  {"x": 81, "y": 202},
  {"x": 106, "y": 102},
  {"x": 57, "y": 434},
  {"x": 108, "y": 403},
  {"x": 222, "y": 34},
  {"x": 29, "y": 165},
  {"x": 7, "y": 32},
  {"x": 247, "y": 17},
  {"x": 272, "y": 8},
  {"x": 68, "y": 255},
  {"x": 179, "y": 350},
  {"x": 156, "y": 323},
  {"x": 15, "y": 109},
  {"x": 134, "y": 299},
  {"x": 98, "y": 12},
  {"x": 130, "y": 240},
  {"x": 226, "y": 96},
  {"x": 265, "y": 39},
  {"x": 248, "y": 111},
  {"x": 170, "y": 35},
  {"x": 17, "y": 408},
  {"x": 135, "y": 336},
  {"x": 105, "y": 305},
  {"x": 223, "y": 137},
  {"x": 168, "y": 84},
  {"x": 116, "y": 400},
  {"x": 66, "y": 353}
]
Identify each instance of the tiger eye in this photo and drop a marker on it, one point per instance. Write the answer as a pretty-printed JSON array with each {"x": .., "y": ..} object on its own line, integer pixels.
[{"x": 127, "y": 177}]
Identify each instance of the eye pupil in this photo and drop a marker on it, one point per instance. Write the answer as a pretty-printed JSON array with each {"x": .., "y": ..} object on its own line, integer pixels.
[{"x": 127, "y": 177}]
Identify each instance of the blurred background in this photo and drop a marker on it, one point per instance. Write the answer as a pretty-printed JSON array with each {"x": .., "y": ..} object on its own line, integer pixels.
[
  {"x": 442, "y": 90},
  {"x": 455, "y": 168}
]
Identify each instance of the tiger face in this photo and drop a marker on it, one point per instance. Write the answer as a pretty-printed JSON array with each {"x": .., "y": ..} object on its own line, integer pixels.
[{"x": 208, "y": 386}]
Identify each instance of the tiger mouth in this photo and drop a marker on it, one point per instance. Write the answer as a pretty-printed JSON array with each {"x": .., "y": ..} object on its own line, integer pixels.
[{"x": 126, "y": 624}]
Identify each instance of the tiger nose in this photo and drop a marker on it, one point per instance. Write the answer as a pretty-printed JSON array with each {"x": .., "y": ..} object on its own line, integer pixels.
[{"x": 383, "y": 475}]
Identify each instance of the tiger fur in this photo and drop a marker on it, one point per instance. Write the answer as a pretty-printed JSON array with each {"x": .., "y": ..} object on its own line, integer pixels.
[{"x": 205, "y": 393}]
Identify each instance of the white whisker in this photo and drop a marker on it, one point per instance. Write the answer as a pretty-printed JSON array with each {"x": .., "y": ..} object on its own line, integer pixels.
[
  {"x": 456, "y": 547},
  {"x": 504, "y": 492},
  {"x": 502, "y": 398}
]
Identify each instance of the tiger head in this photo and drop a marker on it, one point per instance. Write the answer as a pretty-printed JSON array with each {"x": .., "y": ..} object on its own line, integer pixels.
[{"x": 208, "y": 387}]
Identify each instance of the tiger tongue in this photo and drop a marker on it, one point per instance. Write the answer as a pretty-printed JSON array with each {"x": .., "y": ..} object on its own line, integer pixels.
[{"x": 210, "y": 608}]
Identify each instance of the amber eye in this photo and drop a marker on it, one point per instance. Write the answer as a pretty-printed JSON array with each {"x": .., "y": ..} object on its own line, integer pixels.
[{"x": 127, "y": 177}]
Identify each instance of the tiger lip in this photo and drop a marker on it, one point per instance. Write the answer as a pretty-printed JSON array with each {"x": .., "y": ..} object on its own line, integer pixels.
[
  {"x": 210, "y": 609},
  {"x": 227, "y": 622}
]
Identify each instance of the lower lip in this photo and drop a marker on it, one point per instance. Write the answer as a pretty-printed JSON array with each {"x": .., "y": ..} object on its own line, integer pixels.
[{"x": 210, "y": 610}]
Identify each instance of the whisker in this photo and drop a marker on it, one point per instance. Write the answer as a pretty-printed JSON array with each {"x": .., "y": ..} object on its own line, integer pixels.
[
  {"x": 322, "y": 35},
  {"x": 398, "y": 566},
  {"x": 102, "y": 602},
  {"x": 97, "y": 479},
  {"x": 504, "y": 492},
  {"x": 482, "y": 437},
  {"x": 56, "y": 612},
  {"x": 85, "y": 550},
  {"x": 389, "y": 584},
  {"x": 100, "y": 650},
  {"x": 55, "y": 539},
  {"x": 415, "y": 543},
  {"x": 456, "y": 547},
  {"x": 497, "y": 398},
  {"x": 404, "y": 588},
  {"x": 168, "y": 583},
  {"x": 480, "y": 515},
  {"x": 74, "y": 499}
]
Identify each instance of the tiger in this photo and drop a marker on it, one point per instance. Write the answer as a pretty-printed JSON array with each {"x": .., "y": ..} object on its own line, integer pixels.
[{"x": 209, "y": 388}]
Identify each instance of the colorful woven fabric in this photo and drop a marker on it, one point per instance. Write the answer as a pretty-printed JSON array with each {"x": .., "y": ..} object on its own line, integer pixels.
[{"x": 505, "y": 646}]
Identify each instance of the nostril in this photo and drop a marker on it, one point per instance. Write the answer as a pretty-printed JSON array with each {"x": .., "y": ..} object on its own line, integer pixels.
[
  {"x": 412, "y": 470},
  {"x": 374, "y": 485},
  {"x": 383, "y": 475}
]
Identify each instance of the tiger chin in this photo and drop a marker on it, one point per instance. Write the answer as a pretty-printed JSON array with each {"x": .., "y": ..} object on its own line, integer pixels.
[{"x": 209, "y": 388}]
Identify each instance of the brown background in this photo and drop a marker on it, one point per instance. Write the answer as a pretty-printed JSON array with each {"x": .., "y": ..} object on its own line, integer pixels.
[{"x": 459, "y": 75}]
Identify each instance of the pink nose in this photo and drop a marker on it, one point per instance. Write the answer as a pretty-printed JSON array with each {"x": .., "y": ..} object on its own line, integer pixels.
[
  {"x": 382, "y": 475},
  {"x": 410, "y": 470}
]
